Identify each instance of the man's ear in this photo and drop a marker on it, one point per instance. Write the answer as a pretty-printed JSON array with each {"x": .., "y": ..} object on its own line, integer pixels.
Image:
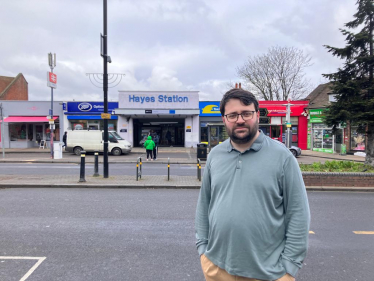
[{"x": 223, "y": 119}]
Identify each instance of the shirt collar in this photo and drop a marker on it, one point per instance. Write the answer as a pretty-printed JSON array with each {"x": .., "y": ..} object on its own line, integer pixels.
[{"x": 256, "y": 145}]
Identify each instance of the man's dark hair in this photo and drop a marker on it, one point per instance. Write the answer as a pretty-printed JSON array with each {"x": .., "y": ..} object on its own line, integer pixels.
[{"x": 245, "y": 97}]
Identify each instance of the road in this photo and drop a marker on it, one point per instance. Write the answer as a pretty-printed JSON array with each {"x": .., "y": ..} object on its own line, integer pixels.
[
  {"x": 148, "y": 169},
  {"x": 146, "y": 234},
  {"x": 162, "y": 156},
  {"x": 158, "y": 167}
]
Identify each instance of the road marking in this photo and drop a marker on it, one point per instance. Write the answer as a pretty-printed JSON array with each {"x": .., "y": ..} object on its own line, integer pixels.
[
  {"x": 363, "y": 232},
  {"x": 32, "y": 269},
  {"x": 311, "y": 232}
]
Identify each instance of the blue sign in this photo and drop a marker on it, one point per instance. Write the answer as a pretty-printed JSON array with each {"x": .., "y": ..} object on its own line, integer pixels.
[
  {"x": 89, "y": 107},
  {"x": 209, "y": 108}
]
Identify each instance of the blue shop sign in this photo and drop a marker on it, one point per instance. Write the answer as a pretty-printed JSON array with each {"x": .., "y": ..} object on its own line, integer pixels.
[
  {"x": 209, "y": 108},
  {"x": 89, "y": 107}
]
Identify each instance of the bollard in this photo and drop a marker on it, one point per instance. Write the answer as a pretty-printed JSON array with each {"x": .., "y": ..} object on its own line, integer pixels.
[
  {"x": 83, "y": 158},
  {"x": 96, "y": 172},
  {"x": 168, "y": 168},
  {"x": 140, "y": 167},
  {"x": 137, "y": 169},
  {"x": 198, "y": 169}
]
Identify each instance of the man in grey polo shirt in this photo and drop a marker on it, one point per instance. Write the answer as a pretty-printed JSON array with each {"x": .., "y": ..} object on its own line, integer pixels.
[{"x": 252, "y": 217}]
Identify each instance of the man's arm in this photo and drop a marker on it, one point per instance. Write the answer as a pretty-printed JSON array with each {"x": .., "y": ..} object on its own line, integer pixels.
[
  {"x": 297, "y": 217},
  {"x": 202, "y": 218}
]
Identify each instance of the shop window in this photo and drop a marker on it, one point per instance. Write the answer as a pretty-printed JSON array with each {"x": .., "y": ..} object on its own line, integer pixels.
[
  {"x": 357, "y": 140},
  {"x": 17, "y": 131},
  {"x": 79, "y": 125},
  {"x": 112, "y": 125},
  {"x": 204, "y": 134}
]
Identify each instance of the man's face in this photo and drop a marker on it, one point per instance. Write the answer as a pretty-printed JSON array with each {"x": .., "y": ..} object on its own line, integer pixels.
[{"x": 241, "y": 132}]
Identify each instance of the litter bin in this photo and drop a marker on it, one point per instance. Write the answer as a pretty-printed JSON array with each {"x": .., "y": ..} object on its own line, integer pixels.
[
  {"x": 57, "y": 150},
  {"x": 202, "y": 151}
]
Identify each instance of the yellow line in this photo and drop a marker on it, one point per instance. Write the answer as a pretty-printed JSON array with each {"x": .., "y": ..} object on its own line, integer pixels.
[
  {"x": 363, "y": 232},
  {"x": 311, "y": 232}
]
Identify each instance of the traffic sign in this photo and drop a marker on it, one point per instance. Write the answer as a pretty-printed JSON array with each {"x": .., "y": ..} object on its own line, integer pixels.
[{"x": 105, "y": 115}]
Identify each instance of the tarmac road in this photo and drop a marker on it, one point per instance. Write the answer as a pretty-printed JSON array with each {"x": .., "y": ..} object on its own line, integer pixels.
[{"x": 147, "y": 234}]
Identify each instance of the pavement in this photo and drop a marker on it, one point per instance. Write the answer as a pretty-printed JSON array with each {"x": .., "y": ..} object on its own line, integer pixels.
[{"x": 173, "y": 155}]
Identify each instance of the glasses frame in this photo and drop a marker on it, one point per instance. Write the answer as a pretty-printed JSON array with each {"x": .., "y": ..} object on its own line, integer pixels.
[{"x": 241, "y": 114}]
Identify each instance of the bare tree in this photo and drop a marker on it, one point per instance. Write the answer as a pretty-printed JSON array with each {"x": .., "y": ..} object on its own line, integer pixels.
[{"x": 278, "y": 74}]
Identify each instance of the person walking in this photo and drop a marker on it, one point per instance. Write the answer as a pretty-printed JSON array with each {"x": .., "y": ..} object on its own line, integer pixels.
[
  {"x": 149, "y": 146},
  {"x": 64, "y": 138},
  {"x": 252, "y": 217},
  {"x": 156, "y": 140}
]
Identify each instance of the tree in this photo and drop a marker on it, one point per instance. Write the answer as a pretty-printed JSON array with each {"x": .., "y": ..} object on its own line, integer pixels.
[
  {"x": 278, "y": 74},
  {"x": 352, "y": 84}
]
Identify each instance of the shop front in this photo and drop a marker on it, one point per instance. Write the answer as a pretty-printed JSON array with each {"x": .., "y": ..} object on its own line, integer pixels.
[
  {"x": 321, "y": 138},
  {"x": 171, "y": 118},
  {"x": 26, "y": 124},
  {"x": 272, "y": 122},
  {"x": 87, "y": 115}
]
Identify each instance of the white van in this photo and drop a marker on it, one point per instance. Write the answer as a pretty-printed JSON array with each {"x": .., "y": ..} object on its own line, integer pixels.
[{"x": 91, "y": 141}]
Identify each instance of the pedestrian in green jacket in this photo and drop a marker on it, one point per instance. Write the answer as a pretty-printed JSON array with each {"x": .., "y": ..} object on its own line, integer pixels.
[{"x": 149, "y": 146}]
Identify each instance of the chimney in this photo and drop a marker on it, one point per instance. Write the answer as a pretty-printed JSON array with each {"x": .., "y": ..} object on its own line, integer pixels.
[
  {"x": 240, "y": 85},
  {"x": 236, "y": 85}
]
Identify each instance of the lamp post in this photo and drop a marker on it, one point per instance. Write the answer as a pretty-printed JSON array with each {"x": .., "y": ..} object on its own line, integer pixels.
[
  {"x": 2, "y": 129},
  {"x": 105, "y": 89}
]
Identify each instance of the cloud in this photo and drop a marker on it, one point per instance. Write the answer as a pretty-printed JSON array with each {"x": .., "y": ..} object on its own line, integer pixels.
[{"x": 161, "y": 44}]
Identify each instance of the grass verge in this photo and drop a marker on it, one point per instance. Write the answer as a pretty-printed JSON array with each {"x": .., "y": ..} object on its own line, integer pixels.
[{"x": 337, "y": 166}]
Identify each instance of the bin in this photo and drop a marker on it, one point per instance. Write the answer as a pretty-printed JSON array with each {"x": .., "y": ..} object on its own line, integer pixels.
[
  {"x": 202, "y": 151},
  {"x": 57, "y": 150}
]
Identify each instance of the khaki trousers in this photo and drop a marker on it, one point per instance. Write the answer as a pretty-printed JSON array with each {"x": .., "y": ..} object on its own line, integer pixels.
[{"x": 215, "y": 273}]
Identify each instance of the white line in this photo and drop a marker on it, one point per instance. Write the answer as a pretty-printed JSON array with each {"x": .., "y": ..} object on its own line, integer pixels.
[{"x": 32, "y": 269}]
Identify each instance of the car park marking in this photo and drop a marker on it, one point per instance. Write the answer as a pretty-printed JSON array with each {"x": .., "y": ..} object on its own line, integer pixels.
[
  {"x": 363, "y": 232},
  {"x": 311, "y": 232},
  {"x": 32, "y": 269}
]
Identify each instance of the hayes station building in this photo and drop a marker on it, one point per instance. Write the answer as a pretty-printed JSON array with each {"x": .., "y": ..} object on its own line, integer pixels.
[{"x": 172, "y": 115}]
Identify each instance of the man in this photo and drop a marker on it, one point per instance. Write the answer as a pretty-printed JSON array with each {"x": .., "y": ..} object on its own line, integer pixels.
[{"x": 252, "y": 217}]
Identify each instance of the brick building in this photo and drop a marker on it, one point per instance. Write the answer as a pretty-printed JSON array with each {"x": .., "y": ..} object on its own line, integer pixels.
[{"x": 14, "y": 88}]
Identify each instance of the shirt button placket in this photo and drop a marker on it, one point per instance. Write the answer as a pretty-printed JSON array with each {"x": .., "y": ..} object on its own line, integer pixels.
[{"x": 239, "y": 163}]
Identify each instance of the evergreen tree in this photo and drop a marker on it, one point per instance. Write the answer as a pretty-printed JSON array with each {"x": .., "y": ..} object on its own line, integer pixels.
[{"x": 353, "y": 83}]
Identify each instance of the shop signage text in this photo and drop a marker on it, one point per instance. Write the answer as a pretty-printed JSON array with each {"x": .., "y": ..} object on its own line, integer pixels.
[
  {"x": 90, "y": 107},
  {"x": 160, "y": 98}
]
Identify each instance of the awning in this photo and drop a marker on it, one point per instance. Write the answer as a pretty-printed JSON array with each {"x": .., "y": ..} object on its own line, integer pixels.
[
  {"x": 28, "y": 119},
  {"x": 89, "y": 117}
]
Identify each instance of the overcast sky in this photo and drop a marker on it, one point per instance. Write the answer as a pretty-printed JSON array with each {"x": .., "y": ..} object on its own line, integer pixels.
[{"x": 166, "y": 45}]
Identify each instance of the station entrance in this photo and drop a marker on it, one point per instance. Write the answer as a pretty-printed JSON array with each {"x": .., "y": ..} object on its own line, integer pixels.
[{"x": 168, "y": 132}]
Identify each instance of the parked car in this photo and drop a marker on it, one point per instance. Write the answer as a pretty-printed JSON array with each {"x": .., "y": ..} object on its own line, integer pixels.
[
  {"x": 91, "y": 141},
  {"x": 295, "y": 150}
]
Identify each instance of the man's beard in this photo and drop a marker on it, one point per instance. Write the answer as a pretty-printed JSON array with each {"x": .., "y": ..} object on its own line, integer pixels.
[{"x": 252, "y": 131}]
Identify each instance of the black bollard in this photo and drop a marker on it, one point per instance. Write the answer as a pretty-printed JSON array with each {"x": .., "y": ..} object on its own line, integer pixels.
[
  {"x": 198, "y": 169},
  {"x": 83, "y": 158},
  {"x": 137, "y": 170},
  {"x": 168, "y": 169},
  {"x": 96, "y": 172},
  {"x": 140, "y": 163}
]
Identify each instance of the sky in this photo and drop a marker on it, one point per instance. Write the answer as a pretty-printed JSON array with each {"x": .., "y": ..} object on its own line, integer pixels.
[{"x": 161, "y": 45}]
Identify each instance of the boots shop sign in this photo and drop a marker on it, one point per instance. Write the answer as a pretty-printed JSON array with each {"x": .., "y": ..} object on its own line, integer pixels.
[{"x": 51, "y": 80}]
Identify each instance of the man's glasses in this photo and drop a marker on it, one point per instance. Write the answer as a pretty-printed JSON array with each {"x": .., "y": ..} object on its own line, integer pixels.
[{"x": 246, "y": 115}]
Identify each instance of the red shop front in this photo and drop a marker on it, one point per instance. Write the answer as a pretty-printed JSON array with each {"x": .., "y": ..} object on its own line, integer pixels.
[{"x": 273, "y": 121}]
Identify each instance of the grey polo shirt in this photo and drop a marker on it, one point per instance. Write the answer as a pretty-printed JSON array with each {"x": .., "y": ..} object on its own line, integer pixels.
[{"x": 252, "y": 216}]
